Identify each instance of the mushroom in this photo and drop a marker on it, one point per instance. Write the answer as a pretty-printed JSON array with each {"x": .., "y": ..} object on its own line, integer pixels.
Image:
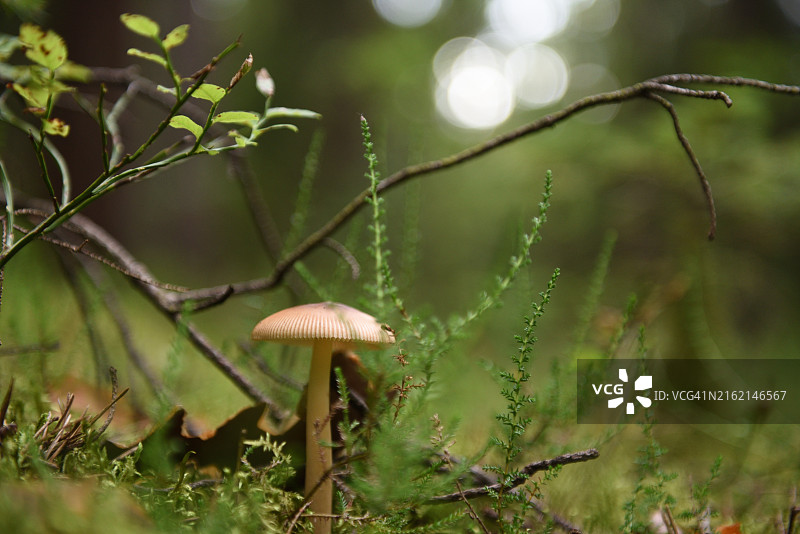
[{"x": 325, "y": 326}]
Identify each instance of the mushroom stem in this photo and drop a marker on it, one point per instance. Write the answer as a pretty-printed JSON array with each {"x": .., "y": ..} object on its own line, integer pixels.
[{"x": 319, "y": 457}]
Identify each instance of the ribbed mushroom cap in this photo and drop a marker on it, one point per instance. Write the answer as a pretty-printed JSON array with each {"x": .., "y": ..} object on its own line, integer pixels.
[{"x": 345, "y": 326}]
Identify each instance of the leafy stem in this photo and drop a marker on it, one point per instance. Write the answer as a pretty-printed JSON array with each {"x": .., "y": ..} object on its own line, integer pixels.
[{"x": 514, "y": 420}]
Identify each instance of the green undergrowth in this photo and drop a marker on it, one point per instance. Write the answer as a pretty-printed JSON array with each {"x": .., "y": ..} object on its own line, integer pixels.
[{"x": 404, "y": 462}]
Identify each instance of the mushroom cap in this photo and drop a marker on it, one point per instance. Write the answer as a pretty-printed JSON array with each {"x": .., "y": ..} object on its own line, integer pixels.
[{"x": 303, "y": 325}]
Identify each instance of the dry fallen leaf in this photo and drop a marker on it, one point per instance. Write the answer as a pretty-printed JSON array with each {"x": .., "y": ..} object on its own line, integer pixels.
[{"x": 223, "y": 447}]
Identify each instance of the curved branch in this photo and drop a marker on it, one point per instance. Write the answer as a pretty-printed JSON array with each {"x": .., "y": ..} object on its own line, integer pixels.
[
  {"x": 203, "y": 298},
  {"x": 647, "y": 89},
  {"x": 666, "y": 104}
]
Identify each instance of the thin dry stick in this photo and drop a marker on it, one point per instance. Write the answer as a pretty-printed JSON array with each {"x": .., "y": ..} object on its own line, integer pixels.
[
  {"x": 29, "y": 349},
  {"x": 527, "y": 471},
  {"x": 296, "y": 516},
  {"x": 794, "y": 513},
  {"x": 472, "y": 514},
  {"x": 693, "y": 158},
  {"x": 661, "y": 84},
  {"x": 559, "y": 521}
]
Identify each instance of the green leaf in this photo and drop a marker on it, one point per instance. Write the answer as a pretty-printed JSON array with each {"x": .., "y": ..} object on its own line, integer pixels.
[
  {"x": 176, "y": 37},
  {"x": 36, "y": 96},
  {"x": 155, "y": 58},
  {"x": 46, "y": 48},
  {"x": 241, "y": 142},
  {"x": 292, "y": 113},
  {"x": 238, "y": 117},
  {"x": 140, "y": 24},
  {"x": 209, "y": 91},
  {"x": 55, "y": 126},
  {"x": 182, "y": 121}
]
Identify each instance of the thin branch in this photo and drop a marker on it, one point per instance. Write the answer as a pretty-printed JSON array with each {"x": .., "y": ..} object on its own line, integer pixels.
[
  {"x": 213, "y": 296},
  {"x": 562, "y": 523},
  {"x": 471, "y": 511},
  {"x": 794, "y": 513},
  {"x": 527, "y": 471},
  {"x": 661, "y": 84},
  {"x": 162, "y": 299},
  {"x": 346, "y": 255},
  {"x": 296, "y": 516},
  {"x": 81, "y": 249},
  {"x": 29, "y": 349},
  {"x": 666, "y": 104}
]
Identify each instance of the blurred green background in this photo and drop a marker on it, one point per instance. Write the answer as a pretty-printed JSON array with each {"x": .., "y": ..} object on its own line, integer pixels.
[{"x": 618, "y": 169}]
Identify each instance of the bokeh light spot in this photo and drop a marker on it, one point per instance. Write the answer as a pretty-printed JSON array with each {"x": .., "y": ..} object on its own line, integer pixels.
[
  {"x": 527, "y": 21},
  {"x": 407, "y": 13},
  {"x": 539, "y": 74},
  {"x": 474, "y": 91}
]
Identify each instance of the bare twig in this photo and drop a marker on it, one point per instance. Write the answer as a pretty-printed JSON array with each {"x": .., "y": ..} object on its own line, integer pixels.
[
  {"x": 296, "y": 516},
  {"x": 669, "y": 521},
  {"x": 471, "y": 511},
  {"x": 28, "y": 349},
  {"x": 6, "y": 402},
  {"x": 562, "y": 523},
  {"x": 527, "y": 471},
  {"x": 794, "y": 513},
  {"x": 661, "y": 84},
  {"x": 666, "y": 104},
  {"x": 347, "y": 256}
]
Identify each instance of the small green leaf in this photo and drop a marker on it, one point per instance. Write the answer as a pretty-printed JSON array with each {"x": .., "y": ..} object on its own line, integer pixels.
[
  {"x": 140, "y": 24},
  {"x": 209, "y": 91},
  {"x": 238, "y": 117},
  {"x": 55, "y": 126},
  {"x": 291, "y": 113},
  {"x": 46, "y": 48},
  {"x": 155, "y": 58},
  {"x": 182, "y": 121},
  {"x": 176, "y": 37},
  {"x": 241, "y": 142},
  {"x": 36, "y": 96}
]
